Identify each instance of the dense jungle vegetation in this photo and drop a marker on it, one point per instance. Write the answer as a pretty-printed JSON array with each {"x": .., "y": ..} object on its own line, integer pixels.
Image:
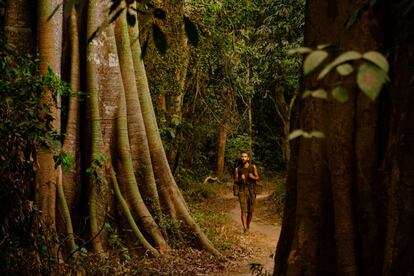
[{"x": 116, "y": 114}]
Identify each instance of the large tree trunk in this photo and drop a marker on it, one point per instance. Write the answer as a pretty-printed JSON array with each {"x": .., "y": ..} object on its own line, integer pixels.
[
  {"x": 399, "y": 155},
  {"x": 349, "y": 198},
  {"x": 134, "y": 131},
  {"x": 92, "y": 88},
  {"x": 68, "y": 186},
  {"x": 19, "y": 25},
  {"x": 50, "y": 48},
  {"x": 111, "y": 132},
  {"x": 167, "y": 186}
]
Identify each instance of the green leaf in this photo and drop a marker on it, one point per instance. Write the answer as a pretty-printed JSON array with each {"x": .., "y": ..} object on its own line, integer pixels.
[
  {"x": 323, "y": 46},
  {"x": 340, "y": 94},
  {"x": 295, "y": 134},
  {"x": 318, "y": 93},
  {"x": 378, "y": 59},
  {"x": 344, "y": 69},
  {"x": 299, "y": 132},
  {"x": 302, "y": 50},
  {"x": 370, "y": 79},
  {"x": 317, "y": 134},
  {"x": 313, "y": 60},
  {"x": 306, "y": 94},
  {"x": 191, "y": 31},
  {"x": 159, "y": 39},
  {"x": 347, "y": 56}
]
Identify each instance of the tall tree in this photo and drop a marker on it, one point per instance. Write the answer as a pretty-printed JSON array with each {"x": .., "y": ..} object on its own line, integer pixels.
[
  {"x": 50, "y": 47},
  {"x": 344, "y": 213},
  {"x": 119, "y": 166}
]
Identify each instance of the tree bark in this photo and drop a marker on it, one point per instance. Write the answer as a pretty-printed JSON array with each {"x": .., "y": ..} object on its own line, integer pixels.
[
  {"x": 19, "y": 25},
  {"x": 129, "y": 130},
  {"x": 92, "y": 61},
  {"x": 125, "y": 163},
  {"x": 71, "y": 144},
  {"x": 50, "y": 47},
  {"x": 167, "y": 186},
  {"x": 361, "y": 196},
  {"x": 399, "y": 155},
  {"x": 114, "y": 121},
  {"x": 136, "y": 129}
]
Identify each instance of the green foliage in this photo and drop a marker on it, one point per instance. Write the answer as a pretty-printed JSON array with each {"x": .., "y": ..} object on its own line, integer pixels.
[
  {"x": 280, "y": 28},
  {"x": 198, "y": 191},
  {"x": 235, "y": 145},
  {"x": 313, "y": 60},
  {"x": 96, "y": 163},
  {"x": 95, "y": 170},
  {"x": 115, "y": 242},
  {"x": 241, "y": 55},
  {"x": 371, "y": 75},
  {"x": 245, "y": 65},
  {"x": 344, "y": 69},
  {"x": 372, "y": 72},
  {"x": 340, "y": 94},
  {"x": 56, "y": 85},
  {"x": 345, "y": 57},
  {"x": 318, "y": 93},
  {"x": 25, "y": 126},
  {"x": 65, "y": 160},
  {"x": 370, "y": 79},
  {"x": 299, "y": 132},
  {"x": 173, "y": 228}
]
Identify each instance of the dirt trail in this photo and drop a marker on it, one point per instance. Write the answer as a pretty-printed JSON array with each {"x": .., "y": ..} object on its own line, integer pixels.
[{"x": 262, "y": 237}]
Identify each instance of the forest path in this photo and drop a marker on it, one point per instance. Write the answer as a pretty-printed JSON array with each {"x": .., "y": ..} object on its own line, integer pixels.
[{"x": 262, "y": 237}]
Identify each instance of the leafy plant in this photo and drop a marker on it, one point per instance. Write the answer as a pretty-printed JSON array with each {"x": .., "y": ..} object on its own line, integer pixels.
[
  {"x": 65, "y": 160},
  {"x": 371, "y": 73},
  {"x": 24, "y": 126}
]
